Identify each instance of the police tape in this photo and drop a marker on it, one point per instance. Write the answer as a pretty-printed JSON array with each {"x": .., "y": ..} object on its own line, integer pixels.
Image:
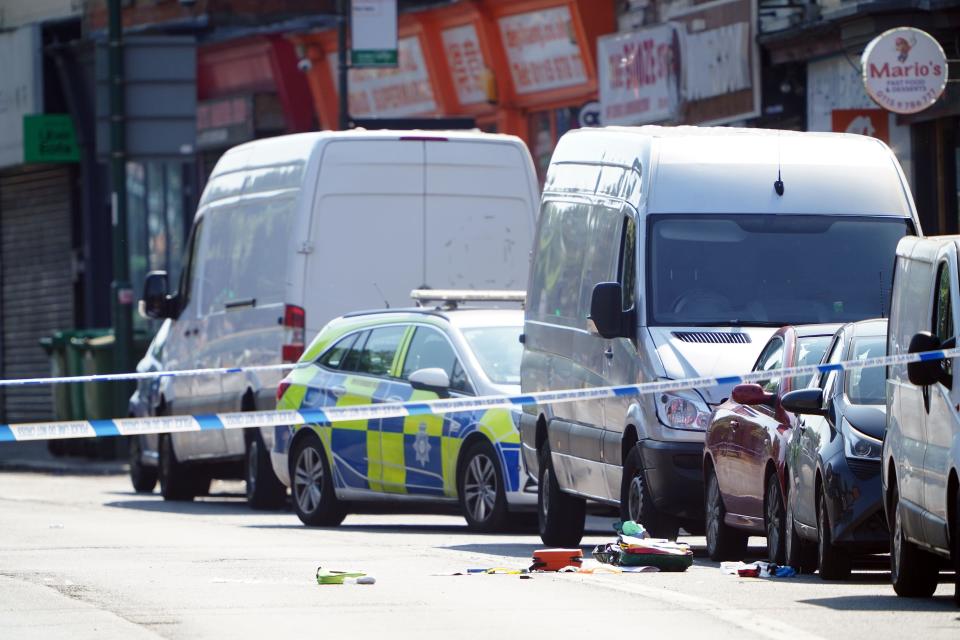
[
  {"x": 328, "y": 415},
  {"x": 146, "y": 375}
]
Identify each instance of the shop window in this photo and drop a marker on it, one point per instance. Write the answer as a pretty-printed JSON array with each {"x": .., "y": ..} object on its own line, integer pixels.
[
  {"x": 157, "y": 222},
  {"x": 546, "y": 127}
]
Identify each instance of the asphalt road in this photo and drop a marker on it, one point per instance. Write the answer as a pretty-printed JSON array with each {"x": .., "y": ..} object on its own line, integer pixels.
[{"x": 84, "y": 557}]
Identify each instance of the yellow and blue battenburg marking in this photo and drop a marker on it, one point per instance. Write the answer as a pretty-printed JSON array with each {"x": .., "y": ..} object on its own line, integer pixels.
[{"x": 414, "y": 455}]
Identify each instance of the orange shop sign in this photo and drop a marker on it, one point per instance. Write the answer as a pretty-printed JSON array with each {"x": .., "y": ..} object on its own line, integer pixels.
[
  {"x": 467, "y": 66},
  {"x": 392, "y": 92},
  {"x": 866, "y": 122},
  {"x": 542, "y": 50}
]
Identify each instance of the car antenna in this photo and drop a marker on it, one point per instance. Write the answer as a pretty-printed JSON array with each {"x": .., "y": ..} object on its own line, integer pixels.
[
  {"x": 778, "y": 185},
  {"x": 386, "y": 303}
]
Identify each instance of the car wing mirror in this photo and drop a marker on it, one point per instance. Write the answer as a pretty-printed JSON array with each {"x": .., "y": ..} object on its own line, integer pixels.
[
  {"x": 925, "y": 372},
  {"x": 804, "y": 401},
  {"x": 607, "y": 317},
  {"x": 156, "y": 302},
  {"x": 432, "y": 379},
  {"x": 752, "y": 394}
]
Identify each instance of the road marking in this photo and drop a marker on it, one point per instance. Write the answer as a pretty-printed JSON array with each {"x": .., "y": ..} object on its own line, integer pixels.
[{"x": 767, "y": 627}]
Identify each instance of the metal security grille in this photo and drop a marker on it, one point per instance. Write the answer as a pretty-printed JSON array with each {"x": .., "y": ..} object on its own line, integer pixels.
[
  {"x": 712, "y": 337},
  {"x": 36, "y": 279}
]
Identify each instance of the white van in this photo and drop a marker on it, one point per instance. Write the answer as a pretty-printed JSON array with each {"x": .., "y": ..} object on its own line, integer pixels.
[
  {"x": 668, "y": 253},
  {"x": 296, "y": 230},
  {"x": 921, "y": 450}
]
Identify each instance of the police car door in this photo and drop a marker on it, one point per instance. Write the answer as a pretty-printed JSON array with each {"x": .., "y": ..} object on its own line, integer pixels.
[
  {"x": 425, "y": 453},
  {"x": 356, "y": 444}
]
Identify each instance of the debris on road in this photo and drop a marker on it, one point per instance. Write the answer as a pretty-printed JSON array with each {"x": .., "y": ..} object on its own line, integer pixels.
[
  {"x": 556, "y": 559},
  {"x": 343, "y": 577},
  {"x": 758, "y": 569},
  {"x": 638, "y": 549}
]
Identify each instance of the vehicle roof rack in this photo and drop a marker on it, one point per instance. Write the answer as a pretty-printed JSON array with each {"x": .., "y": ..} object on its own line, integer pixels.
[{"x": 452, "y": 298}]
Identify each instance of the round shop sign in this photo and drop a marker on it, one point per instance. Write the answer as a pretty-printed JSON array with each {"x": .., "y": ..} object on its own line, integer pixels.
[{"x": 904, "y": 70}]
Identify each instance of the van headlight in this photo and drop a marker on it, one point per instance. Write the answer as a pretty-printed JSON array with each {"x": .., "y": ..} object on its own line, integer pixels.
[
  {"x": 681, "y": 410},
  {"x": 859, "y": 445}
]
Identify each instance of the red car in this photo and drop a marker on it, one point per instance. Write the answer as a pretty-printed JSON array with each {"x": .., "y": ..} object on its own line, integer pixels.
[{"x": 746, "y": 444}]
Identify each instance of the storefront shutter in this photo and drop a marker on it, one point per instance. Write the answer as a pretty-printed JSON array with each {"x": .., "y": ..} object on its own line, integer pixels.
[{"x": 36, "y": 280}]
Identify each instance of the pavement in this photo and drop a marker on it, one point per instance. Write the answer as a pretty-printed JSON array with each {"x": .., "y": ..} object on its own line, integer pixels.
[
  {"x": 83, "y": 556},
  {"x": 36, "y": 456}
]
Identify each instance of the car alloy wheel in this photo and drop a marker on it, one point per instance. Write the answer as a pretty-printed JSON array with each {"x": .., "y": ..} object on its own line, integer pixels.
[
  {"x": 480, "y": 487},
  {"x": 635, "y": 498},
  {"x": 913, "y": 572},
  {"x": 775, "y": 516},
  {"x": 253, "y": 453},
  {"x": 308, "y": 480}
]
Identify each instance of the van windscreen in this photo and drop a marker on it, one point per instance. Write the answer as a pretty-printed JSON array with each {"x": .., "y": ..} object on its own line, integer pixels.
[{"x": 769, "y": 270}]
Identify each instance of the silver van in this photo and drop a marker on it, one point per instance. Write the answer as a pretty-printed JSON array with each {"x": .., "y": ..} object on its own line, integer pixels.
[
  {"x": 667, "y": 253},
  {"x": 296, "y": 230},
  {"x": 921, "y": 450}
]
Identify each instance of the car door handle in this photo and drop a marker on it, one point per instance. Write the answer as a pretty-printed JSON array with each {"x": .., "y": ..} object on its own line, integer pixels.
[
  {"x": 339, "y": 391},
  {"x": 609, "y": 353}
]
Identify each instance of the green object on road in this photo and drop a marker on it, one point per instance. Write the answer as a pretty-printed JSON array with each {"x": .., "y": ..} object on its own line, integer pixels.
[
  {"x": 336, "y": 577},
  {"x": 631, "y": 528}
]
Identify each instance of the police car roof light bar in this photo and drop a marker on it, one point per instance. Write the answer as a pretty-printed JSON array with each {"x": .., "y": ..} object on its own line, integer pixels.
[{"x": 451, "y": 297}]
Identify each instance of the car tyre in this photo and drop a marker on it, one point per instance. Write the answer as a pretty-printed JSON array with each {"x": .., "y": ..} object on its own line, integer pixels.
[
  {"x": 178, "y": 480},
  {"x": 723, "y": 541},
  {"x": 636, "y": 503},
  {"x": 833, "y": 562},
  {"x": 560, "y": 516},
  {"x": 480, "y": 488},
  {"x": 142, "y": 477},
  {"x": 956, "y": 549},
  {"x": 264, "y": 489},
  {"x": 311, "y": 481},
  {"x": 913, "y": 571},
  {"x": 776, "y": 519},
  {"x": 800, "y": 554}
]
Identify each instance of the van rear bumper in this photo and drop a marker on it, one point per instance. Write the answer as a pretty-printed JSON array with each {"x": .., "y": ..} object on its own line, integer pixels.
[{"x": 674, "y": 473}]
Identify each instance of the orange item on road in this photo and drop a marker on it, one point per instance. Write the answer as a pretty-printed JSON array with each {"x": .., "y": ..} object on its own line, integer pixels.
[{"x": 556, "y": 559}]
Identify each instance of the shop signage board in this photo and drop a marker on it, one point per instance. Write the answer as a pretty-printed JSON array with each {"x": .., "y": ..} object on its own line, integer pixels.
[
  {"x": 467, "y": 65},
  {"x": 49, "y": 138},
  {"x": 639, "y": 76},
  {"x": 21, "y": 89},
  {"x": 904, "y": 70},
  {"x": 401, "y": 91},
  {"x": 720, "y": 60},
  {"x": 866, "y": 122},
  {"x": 373, "y": 33},
  {"x": 542, "y": 50}
]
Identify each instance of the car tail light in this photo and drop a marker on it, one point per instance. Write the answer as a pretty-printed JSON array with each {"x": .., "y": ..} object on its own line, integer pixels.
[
  {"x": 294, "y": 328},
  {"x": 282, "y": 389}
]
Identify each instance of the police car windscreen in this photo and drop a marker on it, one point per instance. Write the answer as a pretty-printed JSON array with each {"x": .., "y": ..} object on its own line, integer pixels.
[
  {"x": 498, "y": 350},
  {"x": 769, "y": 270}
]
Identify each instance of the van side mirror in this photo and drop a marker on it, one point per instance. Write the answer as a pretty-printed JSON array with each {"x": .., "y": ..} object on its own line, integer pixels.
[
  {"x": 804, "y": 401},
  {"x": 925, "y": 372},
  {"x": 751, "y": 394},
  {"x": 432, "y": 379},
  {"x": 156, "y": 302},
  {"x": 607, "y": 314}
]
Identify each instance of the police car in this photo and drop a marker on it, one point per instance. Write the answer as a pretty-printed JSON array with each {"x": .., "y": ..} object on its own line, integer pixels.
[{"x": 417, "y": 354}]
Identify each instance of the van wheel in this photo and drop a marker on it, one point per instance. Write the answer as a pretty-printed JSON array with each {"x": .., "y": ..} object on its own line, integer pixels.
[
  {"x": 913, "y": 571},
  {"x": 723, "y": 541},
  {"x": 776, "y": 518},
  {"x": 142, "y": 477},
  {"x": 636, "y": 503},
  {"x": 834, "y": 563},
  {"x": 800, "y": 554},
  {"x": 264, "y": 490},
  {"x": 560, "y": 516},
  {"x": 314, "y": 498},
  {"x": 480, "y": 488},
  {"x": 178, "y": 481},
  {"x": 956, "y": 549}
]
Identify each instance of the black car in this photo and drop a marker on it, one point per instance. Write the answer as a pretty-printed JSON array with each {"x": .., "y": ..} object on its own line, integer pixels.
[{"x": 834, "y": 501}]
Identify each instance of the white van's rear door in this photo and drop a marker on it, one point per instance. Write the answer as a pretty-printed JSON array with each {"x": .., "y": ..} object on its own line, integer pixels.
[
  {"x": 479, "y": 215},
  {"x": 367, "y": 228}
]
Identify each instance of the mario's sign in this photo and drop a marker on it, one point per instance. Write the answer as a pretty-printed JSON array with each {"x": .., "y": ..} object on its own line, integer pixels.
[{"x": 904, "y": 70}]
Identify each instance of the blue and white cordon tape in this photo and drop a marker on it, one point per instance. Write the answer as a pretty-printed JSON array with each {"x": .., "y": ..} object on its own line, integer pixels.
[{"x": 170, "y": 424}]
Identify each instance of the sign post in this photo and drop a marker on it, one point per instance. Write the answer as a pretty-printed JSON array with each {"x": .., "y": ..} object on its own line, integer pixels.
[{"x": 904, "y": 70}]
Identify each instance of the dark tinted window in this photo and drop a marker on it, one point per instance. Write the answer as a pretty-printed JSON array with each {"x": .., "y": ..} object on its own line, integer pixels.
[
  {"x": 867, "y": 386},
  {"x": 771, "y": 358},
  {"x": 769, "y": 269},
  {"x": 943, "y": 313},
  {"x": 334, "y": 356}
]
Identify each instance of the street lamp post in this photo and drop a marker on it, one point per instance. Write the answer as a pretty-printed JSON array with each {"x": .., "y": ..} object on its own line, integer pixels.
[{"x": 343, "y": 17}]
